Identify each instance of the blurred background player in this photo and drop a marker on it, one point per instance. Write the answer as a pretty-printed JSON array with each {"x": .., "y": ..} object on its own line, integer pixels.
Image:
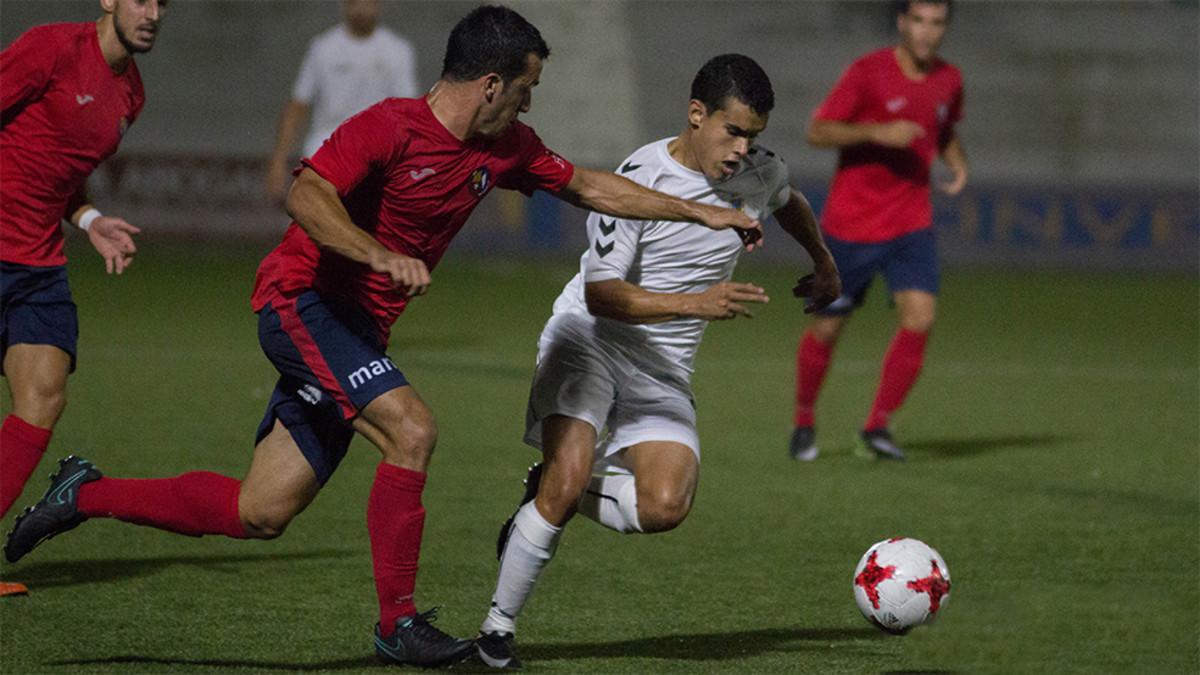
[
  {"x": 374, "y": 210},
  {"x": 346, "y": 69},
  {"x": 889, "y": 115},
  {"x": 68, "y": 93},
  {"x": 617, "y": 355}
]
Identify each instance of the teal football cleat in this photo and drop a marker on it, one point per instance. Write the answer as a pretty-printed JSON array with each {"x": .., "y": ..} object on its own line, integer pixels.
[{"x": 55, "y": 513}]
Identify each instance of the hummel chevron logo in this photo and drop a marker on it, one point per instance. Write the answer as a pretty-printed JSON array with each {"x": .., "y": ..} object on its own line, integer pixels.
[
  {"x": 84, "y": 99},
  {"x": 630, "y": 166},
  {"x": 604, "y": 250},
  {"x": 607, "y": 228},
  {"x": 423, "y": 173}
]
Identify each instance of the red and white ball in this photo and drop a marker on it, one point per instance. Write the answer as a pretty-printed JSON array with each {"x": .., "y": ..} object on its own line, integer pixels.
[{"x": 901, "y": 583}]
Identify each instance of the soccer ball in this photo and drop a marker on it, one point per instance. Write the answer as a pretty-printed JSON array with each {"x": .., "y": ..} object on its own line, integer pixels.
[{"x": 901, "y": 583}]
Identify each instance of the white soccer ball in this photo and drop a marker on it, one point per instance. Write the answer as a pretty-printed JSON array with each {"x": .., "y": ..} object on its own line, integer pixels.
[{"x": 901, "y": 583}]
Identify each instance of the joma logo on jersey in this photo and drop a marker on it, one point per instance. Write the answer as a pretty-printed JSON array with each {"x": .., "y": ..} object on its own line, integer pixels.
[
  {"x": 368, "y": 372},
  {"x": 480, "y": 181}
]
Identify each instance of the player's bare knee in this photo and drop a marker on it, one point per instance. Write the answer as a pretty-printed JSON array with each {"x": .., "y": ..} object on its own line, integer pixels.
[
  {"x": 662, "y": 510},
  {"x": 40, "y": 406},
  {"x": 558, "y": 498},
  {"x": 826, "y": 331},
  {"x": 265, "y": 523},
  {"x": 417, "y": 436},
  {"x": 918, "y": 322}
]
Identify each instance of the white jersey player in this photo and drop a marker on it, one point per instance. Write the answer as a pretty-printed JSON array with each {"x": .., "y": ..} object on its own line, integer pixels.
[{"x": 611, "y": 404}]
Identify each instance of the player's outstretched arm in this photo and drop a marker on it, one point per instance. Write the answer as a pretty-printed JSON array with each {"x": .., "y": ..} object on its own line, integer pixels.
[
  {"x": 796, "y": 217},
  {"x": 314, "y": 204},
  {"x": 622, "y": 301},
  {"x": 615, "y": 195}
]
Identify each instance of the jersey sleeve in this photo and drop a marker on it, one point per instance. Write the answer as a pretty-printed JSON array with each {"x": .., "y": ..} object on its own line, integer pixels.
[
  {"x": 779, "y": 186},
  {"x": 362, "y": 144},
  {"x": 846, "y": 98},
  {"x": 614, "y": 247},
  {"x": 26, "y": 69},
  {"x": 305, "y": 88},
  {"x": 542, "y": 168}
]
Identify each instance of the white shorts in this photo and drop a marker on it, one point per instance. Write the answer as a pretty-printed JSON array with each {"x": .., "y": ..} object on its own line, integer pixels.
[{"x": 577, "y": 376}]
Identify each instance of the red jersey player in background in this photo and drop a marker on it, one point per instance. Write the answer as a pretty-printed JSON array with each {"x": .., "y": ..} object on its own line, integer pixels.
[
  {"x": 374, "y": 210},
  {"x": 891, "y": 113},
  {"x": 68, "y": 92}
]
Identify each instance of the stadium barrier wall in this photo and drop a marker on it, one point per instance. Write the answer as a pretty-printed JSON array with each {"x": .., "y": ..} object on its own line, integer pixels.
[{"x": 1009, "y": 225}]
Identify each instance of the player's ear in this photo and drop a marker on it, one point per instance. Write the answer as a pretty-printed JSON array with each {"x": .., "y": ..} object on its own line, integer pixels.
[
  {"x": 493, "y": 84},
  {"x": 109, "y": 6},
  {"x": 697, "y": 113}
]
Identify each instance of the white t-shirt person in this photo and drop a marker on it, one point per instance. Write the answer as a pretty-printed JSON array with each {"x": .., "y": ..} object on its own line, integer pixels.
[{"x": 343, "y": 74}]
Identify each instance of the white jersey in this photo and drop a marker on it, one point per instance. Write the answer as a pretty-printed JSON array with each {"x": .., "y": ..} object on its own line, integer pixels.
[
  {"x": 342, "y": 75},
  {"x": 666, "y": 256}
]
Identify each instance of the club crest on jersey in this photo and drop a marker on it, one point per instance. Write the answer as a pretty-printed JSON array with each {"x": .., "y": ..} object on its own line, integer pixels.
[{"x": 480, "y": 181}]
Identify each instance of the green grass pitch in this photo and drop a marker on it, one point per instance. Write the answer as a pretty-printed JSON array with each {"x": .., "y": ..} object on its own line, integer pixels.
[{"x": 1053, "y": 462}]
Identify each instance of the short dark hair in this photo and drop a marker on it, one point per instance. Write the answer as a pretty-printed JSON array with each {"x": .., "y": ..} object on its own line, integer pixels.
[
  {"x": 491, "y": 39},
  {"x": 902, "y": 6},
  {"x": 733, "y": 76}
]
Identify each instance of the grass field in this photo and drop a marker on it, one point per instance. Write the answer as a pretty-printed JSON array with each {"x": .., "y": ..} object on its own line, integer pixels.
[{"x": 1055, "y": 463}]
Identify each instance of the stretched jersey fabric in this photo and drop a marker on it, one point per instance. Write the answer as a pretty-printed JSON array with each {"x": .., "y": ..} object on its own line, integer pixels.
[
  {"x": 62, "y": 112},
  {"x": 881, "y": 193},
  {"x": 410, "y": 184},
  {"x": 669, "y": 257}
]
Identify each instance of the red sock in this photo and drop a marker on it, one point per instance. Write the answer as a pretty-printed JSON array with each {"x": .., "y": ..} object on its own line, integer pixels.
[
  {"x": 195, "y": 503},
  {"x": 812, "y": 362},
  {"x": 901, "y": 365},
  {"x": 21, "y": 448},
  {"x": 395, "y": 520}
]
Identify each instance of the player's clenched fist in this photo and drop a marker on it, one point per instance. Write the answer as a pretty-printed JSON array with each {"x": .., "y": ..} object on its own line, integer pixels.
[
  {"x": 408, "y": 274},
  {"x": 727, "y": 300}
]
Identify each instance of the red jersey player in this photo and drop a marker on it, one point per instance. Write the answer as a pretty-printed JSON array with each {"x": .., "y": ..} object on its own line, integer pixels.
[
  {"x": 891, "y": 113},
  {"x": 68, "y": 92},
  {"x": 374, "y": 210}
]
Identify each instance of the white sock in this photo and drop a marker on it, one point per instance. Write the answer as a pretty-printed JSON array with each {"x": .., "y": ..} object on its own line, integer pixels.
[
  {"x": 611, "y": 500},
  {"x": 530, "y": 546}
]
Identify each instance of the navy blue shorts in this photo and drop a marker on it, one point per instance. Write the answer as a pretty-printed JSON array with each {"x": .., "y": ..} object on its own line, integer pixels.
[
  {"x": 36, "y": 308},
  {"x": 331, "y": 364},
  {"x": 908, "y": 263}
]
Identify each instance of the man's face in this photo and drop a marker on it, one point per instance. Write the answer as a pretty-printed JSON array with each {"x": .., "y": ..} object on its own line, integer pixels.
[
  {"x": 722, "y": 138},
  {"x": 922, "y": 28},
  {"x": 361, "y": 15},
  {"x": 510, "y": 99},
  {"x": 136, "y": 22}
]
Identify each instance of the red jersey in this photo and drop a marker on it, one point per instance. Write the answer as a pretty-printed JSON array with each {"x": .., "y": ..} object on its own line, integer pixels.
[
  {"x": 407, "y": 181},
  {"x": 62, "y": 112},
  {"x": 881, "y": 193}
]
